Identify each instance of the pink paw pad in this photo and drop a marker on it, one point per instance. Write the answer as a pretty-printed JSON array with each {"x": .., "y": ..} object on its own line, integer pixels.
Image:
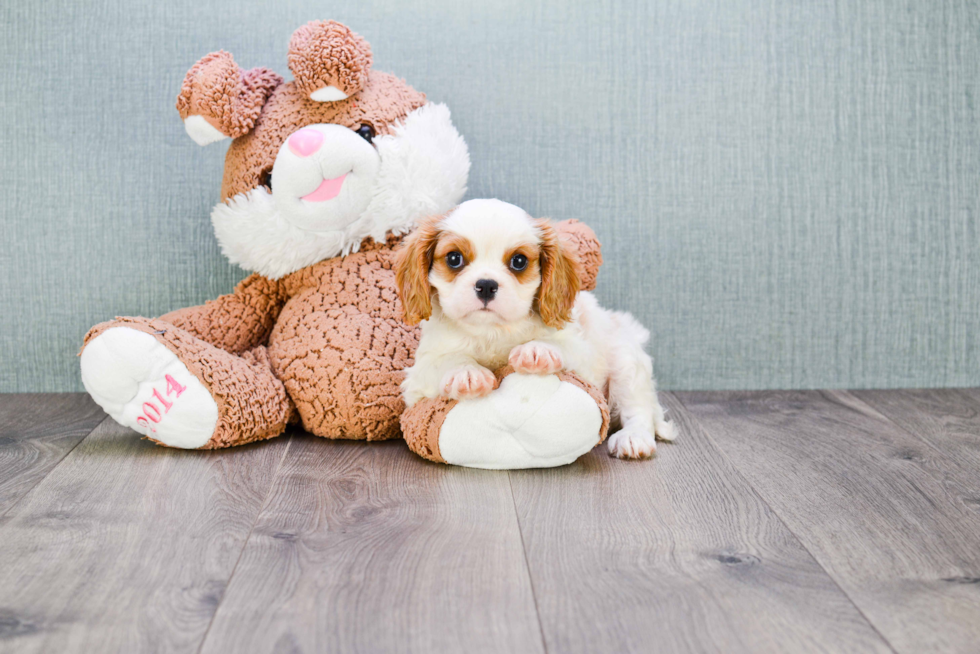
[
  {"x": 468, "y": 382},
  {"x": 535, "y": 358}
]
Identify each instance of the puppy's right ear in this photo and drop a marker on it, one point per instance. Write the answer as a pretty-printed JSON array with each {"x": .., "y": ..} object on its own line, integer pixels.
[{"x": 412, "y": 264}]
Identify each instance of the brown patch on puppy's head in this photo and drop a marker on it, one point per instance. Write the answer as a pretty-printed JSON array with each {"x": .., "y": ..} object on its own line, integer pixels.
[
  {"x": 446, "y": 244},
  {"x": 560, "y": 279},
  {"x": 530, "y": 273}
]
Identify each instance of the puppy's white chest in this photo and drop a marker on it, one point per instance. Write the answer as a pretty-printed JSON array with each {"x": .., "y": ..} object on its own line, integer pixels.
[{"x": 492, "y": 353}]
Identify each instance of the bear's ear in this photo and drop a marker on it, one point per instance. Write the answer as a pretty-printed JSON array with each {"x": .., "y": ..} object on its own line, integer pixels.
[
  {"x": 328, "y": 60},
  {"x": 219, "y": 100}
]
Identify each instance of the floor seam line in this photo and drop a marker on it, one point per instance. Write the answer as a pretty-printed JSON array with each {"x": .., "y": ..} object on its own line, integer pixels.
[
  {"x": 53, "y": 468},
  {"x": 248, "y": 537},
  {"x": 527, "y": 564},
  {"x": 783, "y": 522}
]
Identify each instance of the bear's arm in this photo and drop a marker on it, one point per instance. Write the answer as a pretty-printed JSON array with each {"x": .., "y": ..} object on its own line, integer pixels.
[
  {"x": 589, "y": 249},
  {"x": 238, "y": 321}
]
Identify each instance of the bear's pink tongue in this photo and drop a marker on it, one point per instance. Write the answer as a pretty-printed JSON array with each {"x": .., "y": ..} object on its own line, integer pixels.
[{"x": 327, "y": 190}]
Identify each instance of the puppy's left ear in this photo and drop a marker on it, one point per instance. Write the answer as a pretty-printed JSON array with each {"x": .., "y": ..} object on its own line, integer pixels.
[
  {"x": 412, "y": 264},
  {"x": 560, "y": 278}
]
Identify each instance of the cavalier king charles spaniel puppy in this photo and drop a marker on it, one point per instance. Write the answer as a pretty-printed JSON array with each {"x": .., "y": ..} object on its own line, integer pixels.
[{"x": 493, "y": 286}]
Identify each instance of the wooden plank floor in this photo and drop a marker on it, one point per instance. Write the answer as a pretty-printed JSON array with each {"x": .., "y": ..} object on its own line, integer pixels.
[{"x": 779, "y": 522}]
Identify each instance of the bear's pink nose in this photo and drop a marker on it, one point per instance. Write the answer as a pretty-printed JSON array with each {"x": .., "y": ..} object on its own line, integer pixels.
[{"x": 305, "y": 142}]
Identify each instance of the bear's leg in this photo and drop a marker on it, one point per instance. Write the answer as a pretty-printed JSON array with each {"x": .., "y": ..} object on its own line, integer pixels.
[
  {"x": 180, "y": 391},
  {"x": 528, "y": 421}
]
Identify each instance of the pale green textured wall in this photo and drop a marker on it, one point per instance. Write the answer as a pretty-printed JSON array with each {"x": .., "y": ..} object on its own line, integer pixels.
[{"x": 787, "y": 192}]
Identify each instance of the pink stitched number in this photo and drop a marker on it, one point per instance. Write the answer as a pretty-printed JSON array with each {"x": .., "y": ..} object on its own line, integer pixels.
[
  {"x": 173, "y": 385},
  {"x": 150, "y": 410},
  {"x": 146, "y": 410},
  {"x": 166, "y": 405}
]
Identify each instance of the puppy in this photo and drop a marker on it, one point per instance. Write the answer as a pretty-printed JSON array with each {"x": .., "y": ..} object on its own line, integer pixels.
[{"x": 493, "y": 286}]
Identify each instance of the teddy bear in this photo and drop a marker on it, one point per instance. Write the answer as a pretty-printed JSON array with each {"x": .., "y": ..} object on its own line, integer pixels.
[{"x": 323, "y": 177}]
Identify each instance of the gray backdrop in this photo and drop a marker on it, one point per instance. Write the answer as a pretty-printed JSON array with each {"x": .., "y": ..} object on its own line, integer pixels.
[{"x": 786, "y": 191}]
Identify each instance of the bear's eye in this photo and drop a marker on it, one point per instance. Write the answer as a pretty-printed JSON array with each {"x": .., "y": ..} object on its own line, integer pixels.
[
  {"x": 266, "y": 180},
  {"x": 518, "y": 262},
  {"x": 366, "y": 132},
  {"x": 455, "y": 260}
]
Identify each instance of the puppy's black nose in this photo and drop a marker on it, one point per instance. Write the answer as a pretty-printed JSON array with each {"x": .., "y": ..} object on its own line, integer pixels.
[{"x": 486, "y": 289}]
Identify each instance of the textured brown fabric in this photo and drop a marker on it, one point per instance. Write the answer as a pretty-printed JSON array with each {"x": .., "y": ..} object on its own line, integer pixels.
[
  {"x": 235, "y": 322},
  {"x": 422, "y": 422},
  {"x": 252, "y": 402},
  {"x": 589, "y": 250},
  {"x": 340, "y": 346},
  {"x": 229, "y": 98},
  {"x": 384, "y": 100},
  {"x": 325, "y": 52}
]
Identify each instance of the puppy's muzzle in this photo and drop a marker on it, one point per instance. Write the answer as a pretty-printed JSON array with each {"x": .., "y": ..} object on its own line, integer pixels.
[{"x": 486, "y": 289}]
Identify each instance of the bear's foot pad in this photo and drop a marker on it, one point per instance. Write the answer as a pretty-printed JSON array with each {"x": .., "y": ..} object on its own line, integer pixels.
[
  {"x": 530, "y": 421},
  {"x": 144, "y": 386}
]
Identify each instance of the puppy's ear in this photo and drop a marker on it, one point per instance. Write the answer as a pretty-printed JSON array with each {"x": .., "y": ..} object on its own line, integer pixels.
[
  {"x": 560, "y": 279},
  {"x": 412, "y": 264}
]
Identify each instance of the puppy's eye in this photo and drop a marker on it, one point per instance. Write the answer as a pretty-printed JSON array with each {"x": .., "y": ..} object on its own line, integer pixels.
[
  {"x": 454, "y": 260},
  {"x": 366, "y": 132},
  {"x": 518, "y": 262}
]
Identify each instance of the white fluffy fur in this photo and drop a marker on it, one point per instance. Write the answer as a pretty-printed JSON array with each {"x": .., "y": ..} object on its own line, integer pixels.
[
  {"x": 461, "y": 344},
  {"x": 329, "y": 93},
  {"x": 423, "y": 170},
  {"x": 201, "y": 131}
]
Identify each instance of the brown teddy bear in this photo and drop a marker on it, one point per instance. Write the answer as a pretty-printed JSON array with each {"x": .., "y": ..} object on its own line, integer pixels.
[{"x": 323, "y": 177}]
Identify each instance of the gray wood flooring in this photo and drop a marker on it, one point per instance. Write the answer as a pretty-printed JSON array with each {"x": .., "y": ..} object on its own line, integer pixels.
[{"x": 790, "y": 521}]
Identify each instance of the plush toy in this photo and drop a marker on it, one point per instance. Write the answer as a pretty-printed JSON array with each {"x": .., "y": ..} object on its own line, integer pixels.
[{"x": 323, "y": 176}]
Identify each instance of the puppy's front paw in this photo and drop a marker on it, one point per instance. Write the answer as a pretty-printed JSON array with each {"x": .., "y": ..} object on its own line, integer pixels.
[
  {"x": 467, "y": 382},
  {"x": 632, "y": 443},
  {"x": 536, "y": 358}
]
